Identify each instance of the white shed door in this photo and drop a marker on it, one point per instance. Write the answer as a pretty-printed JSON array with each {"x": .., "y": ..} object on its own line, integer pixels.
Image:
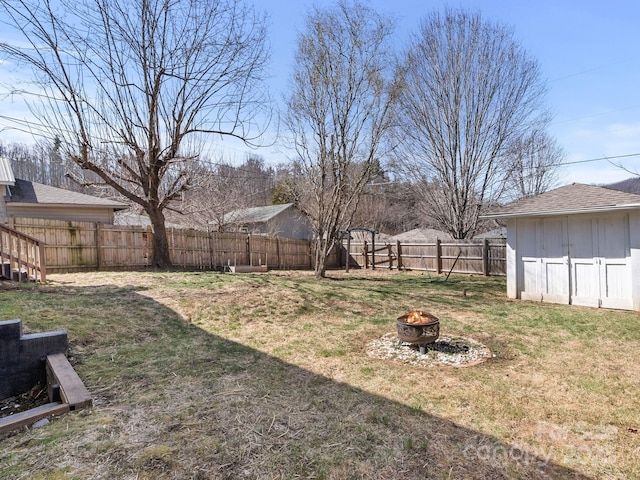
[
  {"x": 599, "y": 252},
  {"x": 555, "y": 261},
  {"x": 543, "y": 254},
  {"x": 585, "y": 269},
  {"x": 613, "y": 257},
  {"x": 529, "y": 276}
]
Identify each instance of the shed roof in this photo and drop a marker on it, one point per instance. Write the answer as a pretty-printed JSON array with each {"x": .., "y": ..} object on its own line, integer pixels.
[
  {"x": 570, "y": 199},
  {"x": 31, "y": 192},
  {"x": 256, "y": 214}
]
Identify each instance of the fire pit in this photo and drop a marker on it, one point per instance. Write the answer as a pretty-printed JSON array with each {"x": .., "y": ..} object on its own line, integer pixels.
[{"x": 418, "y": 328}]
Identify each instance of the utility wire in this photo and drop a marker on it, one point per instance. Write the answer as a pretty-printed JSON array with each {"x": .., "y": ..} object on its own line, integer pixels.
[{"x": 598, "y": 159}]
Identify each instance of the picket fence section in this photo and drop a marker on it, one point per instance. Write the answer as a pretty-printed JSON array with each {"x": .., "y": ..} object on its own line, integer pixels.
[{"x": 86, "y": 246}]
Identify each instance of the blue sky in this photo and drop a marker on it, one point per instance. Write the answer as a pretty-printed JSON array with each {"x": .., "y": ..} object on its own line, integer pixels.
[{"x": 589, "y": 52}]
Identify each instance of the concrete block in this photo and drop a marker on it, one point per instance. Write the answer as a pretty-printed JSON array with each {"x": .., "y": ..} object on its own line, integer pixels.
[{"x": 22, "y": 357}]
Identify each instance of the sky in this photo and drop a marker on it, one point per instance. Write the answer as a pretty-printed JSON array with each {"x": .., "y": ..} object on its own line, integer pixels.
[{"x": 588, "y": 51}]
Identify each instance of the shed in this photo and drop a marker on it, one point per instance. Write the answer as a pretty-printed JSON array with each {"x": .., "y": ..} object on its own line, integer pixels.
[
  {"x": 279, "y": 220},
  {"x": 578, "y": 244},
  {"x": 23, "y": 198}
]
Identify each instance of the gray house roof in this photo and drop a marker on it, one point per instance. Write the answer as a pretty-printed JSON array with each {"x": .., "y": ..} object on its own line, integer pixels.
[
  {"x": 256, "y": 214},
  {"x": 36, "y": 193},
  {"x": 422, "y": 234},
  {"x": 495, "y": 233},
  {"x": 570, "y": 199}
]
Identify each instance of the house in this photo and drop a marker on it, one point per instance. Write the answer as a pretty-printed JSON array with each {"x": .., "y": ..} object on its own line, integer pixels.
[
  {"x": 418, "y": 235},
  {"x": 496, "y": 233},
  {"x": 128, "y": 217},
  {"x": 278, "y": 220},
  {"x": 23, "y": 198},
  {"x": 578, "y": 244}
]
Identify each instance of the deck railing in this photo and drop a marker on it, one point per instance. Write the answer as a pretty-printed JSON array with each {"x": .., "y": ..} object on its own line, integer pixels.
[{"x": 22, "y": 257}]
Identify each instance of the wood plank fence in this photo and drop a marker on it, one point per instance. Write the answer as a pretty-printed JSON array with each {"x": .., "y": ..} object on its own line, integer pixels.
[
  {"x": 486, "y": 257},
  {"x": 86, "y": 246}
]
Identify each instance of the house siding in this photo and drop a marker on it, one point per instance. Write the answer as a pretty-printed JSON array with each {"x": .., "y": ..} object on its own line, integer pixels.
[{"x": 68, "y": 212}]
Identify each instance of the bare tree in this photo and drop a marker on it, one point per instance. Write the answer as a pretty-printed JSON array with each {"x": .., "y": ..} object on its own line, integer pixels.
[
  {"x": 535, "y": 162},
  {"x": 338, "y": 111},
  {"x": 134, "y": 88},
  {"x": 470, "y": 90},
  {"x": 221, "y": 188}
]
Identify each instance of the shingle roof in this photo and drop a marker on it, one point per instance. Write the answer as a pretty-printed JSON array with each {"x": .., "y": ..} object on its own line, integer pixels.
[
  {"x": 570, "y": 199},
  {"x": 422, "y": 234},
  {"x": 30, "y": 192},
  {"x": 255, "y": 214}
]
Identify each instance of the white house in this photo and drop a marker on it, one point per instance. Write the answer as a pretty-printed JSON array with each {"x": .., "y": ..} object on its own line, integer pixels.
[{"x": 577, "y": 244}]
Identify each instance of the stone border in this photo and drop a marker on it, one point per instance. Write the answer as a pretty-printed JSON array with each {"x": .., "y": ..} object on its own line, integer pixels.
[{"x": 387, "y": 348}]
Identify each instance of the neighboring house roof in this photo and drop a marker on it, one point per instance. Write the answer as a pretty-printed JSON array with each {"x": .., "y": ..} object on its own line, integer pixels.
[
  {"x": 135, "y": 219},
  {"x": 418, "y": 234},
  {"x": 255, "y": 214},
  {"x": 570, "y": 199},
  {"x": 36, "y": 193},
  {"x": 6, "y": 172},
  {"x": 495, "y": 233}
]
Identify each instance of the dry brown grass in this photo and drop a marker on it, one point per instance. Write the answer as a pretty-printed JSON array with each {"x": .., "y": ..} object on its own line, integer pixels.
[{"x": 202, "y": 375}]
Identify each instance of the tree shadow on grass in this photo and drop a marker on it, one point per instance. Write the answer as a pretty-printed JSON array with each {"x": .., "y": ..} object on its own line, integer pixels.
[{"x": 175, "y": 401}]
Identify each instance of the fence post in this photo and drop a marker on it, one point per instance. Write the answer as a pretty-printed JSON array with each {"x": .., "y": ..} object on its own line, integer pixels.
[
  {"x": 373, "y": 251},
  {"x": 438, "y": 256},
  {"x": 365, "y": 251},
  {"x": 347, "y": 260},
  {"x": 485, "y": 258},
  {"x": 212, "y": 264},
  {"x": 98, "y": 249},
  {"x": 399, "y": 250},
  {"x": 149, "y": 244},
  {"x": 390, "y": 256},
  {"x": 43, "y": 263},
  {"x": 249, "y": 253}
]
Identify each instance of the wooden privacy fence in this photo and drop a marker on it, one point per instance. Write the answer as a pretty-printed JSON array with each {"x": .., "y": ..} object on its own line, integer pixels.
[
  {"x": 486, "y": 257},
  {"x": 85, "y": 246},
  {"x": 79, "y": 246}
]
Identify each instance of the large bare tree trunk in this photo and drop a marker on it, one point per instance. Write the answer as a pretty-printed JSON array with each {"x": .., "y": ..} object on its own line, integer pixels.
[{"x": 161, "y": 253}]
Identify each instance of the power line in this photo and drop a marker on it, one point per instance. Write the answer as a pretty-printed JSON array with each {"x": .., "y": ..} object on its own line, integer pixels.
[{"x": 599, "y": 159}]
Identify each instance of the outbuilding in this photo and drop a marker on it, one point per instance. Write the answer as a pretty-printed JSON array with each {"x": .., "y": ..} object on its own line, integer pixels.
[
  {"x": 283, "y": 220},
  {"x": 578, "y": 244}
]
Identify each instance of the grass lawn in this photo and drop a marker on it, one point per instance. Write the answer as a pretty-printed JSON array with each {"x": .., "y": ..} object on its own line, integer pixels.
[{"x": 266, "y": 376}]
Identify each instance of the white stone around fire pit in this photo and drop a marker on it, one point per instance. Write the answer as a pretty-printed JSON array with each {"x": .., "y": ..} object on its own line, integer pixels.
[{"x": 456, "y": 352}]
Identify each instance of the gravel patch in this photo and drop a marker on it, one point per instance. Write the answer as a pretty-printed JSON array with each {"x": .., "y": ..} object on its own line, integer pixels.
[{"x": 455, "y": 352}]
